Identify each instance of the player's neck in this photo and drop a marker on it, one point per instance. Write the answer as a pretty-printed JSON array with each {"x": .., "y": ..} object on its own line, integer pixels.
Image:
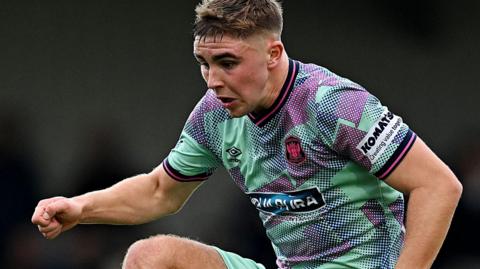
[{"x": 277, "y": 78}]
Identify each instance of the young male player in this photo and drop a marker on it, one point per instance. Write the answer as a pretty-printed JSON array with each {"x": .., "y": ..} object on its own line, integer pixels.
[{"x": 322, "y": 160}]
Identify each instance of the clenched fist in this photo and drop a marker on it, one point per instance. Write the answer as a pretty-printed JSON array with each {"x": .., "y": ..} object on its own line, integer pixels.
[{"x": 56, "y": 215}]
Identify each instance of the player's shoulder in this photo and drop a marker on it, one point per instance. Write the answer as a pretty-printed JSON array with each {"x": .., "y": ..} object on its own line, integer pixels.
[
  {"x": 331, "y": 96},
  {"x": 324, "y": 83},
  {"x": 326, "y": 89}
]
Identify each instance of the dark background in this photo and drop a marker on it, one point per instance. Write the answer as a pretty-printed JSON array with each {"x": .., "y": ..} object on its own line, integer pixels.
[{"x": 95, "y": 91}]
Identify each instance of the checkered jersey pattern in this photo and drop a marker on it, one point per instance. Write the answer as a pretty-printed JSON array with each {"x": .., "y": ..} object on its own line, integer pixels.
[{"x": 323, "y": 134}]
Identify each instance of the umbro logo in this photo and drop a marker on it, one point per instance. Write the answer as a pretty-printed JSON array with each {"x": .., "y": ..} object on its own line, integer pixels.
[{"x": 233, "y": 154}]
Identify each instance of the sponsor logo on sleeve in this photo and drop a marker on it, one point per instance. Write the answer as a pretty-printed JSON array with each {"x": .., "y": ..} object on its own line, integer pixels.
[
  {"x": 380, "y": 136},
  {"x": 288, "y": 202}
]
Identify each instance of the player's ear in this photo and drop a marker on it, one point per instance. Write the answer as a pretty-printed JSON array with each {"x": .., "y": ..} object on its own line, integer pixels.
[{"x": 275, "y": 53}]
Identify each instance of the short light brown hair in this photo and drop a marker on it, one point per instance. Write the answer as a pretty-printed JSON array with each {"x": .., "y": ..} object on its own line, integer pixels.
[{"x": 238, "y": 18}]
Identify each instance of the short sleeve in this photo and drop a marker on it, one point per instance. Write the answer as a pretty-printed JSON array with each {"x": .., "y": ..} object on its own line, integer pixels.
[
  {"x": 191, "y": 159},
  {"x": 355, "y": 124}
]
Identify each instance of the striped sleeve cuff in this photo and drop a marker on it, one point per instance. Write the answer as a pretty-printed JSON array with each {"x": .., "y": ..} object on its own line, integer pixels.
[
  {"x": 173, "y": 173},
  {"x": 397, "y": 156}
]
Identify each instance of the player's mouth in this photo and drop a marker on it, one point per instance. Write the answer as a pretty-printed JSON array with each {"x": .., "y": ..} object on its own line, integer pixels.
[{"x": 227, "y": 102}]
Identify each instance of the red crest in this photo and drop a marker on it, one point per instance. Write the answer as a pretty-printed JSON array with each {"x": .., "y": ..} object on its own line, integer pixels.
[{"x": 294, "y": 151}]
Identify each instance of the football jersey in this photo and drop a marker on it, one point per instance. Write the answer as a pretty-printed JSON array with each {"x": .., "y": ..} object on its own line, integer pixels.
[{"x": 312, "y": 164}]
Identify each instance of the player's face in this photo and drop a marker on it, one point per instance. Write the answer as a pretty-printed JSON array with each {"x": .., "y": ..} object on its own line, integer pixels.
[{"x": 237, "y": 70}]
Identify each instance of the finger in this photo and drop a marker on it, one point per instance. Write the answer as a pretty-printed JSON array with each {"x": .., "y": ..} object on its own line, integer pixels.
[
  {"x": 38, "y": 216},
  {"x": 54, "y": 233},
  {"x": 50, "y": 227}
]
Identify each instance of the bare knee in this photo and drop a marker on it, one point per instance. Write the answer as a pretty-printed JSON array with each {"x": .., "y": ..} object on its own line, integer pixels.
[
  {"x": 154, "y": 252},
  {"x": 171, "y": 252}
]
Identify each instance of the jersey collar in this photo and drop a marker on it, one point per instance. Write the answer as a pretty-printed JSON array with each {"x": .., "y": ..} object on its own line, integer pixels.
[{"x": 260, "y": 119}]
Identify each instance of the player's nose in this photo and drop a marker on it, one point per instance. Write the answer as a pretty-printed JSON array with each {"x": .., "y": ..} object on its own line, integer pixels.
[{"x": 214, "y": 80}]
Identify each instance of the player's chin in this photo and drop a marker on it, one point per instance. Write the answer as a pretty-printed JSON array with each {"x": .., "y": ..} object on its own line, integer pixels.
[{"x": 236, "y": 112}]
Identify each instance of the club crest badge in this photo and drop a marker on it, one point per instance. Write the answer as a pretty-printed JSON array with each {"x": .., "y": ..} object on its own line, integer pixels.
[{"x": 294, "y": 151}]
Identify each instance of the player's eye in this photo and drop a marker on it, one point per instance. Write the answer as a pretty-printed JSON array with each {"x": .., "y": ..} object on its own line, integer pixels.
[{"x": 228, "y": 64}]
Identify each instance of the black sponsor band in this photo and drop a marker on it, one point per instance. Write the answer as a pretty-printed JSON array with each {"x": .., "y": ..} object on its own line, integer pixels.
[{"x": 288, "y": 202}]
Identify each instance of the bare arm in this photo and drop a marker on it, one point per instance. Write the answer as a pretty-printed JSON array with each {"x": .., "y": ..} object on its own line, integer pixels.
[
  {"x": 434, "y": 192},
  {"x": 135, "y": 200}
]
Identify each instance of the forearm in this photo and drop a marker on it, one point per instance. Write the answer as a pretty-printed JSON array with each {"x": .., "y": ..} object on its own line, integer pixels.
[
  {"x": 429, "y": 214},
  {"x": 134, "y": 200}
]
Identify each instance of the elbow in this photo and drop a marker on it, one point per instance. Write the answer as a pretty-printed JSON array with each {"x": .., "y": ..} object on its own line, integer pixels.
[
  {"x": 165, "y": 203},
  {"x": 175, "y": 209},
  {"x": 172, "y": 207},
  {"x": 457, "y": 188},
  {"x": 452, "y": 187}
]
